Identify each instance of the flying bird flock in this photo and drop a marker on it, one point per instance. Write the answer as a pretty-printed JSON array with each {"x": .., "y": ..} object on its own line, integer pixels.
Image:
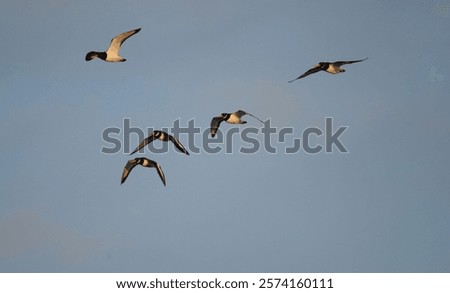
[{"x": 112, "y": 54}]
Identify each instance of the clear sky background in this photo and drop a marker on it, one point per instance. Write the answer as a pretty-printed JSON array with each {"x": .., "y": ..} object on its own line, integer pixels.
[{"x": 382, "y": 207}]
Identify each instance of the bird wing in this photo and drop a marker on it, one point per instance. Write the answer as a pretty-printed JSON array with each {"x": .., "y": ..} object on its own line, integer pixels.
[
  {"x": 340, "y": 63},
  {"x": 160, "y": 173},
  {"x": 241, "y": 113},
  {"x": 118, "y": 40},
  {"x": 127, "y": 169},
  {"x": 310, "y": 71},
  {"x": 178, "y": 144},
  {"x": 145, "y": 142},
  {"x": 158, "y": 168},
  {"x": 215, "y": 123}
]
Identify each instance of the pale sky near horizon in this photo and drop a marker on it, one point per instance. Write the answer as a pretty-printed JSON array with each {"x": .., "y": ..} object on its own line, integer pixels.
[{"x": 381, "y": 207}]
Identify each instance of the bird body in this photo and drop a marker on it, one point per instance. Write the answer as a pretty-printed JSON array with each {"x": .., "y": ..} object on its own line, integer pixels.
[
  {"x": 163, "y": 136},
  {"x": 144, "y": 162},
  {"x": 234, "y": 118},
  {"x": 333, "y": 69},
  {"x": 330, "y": 67},
  {"x": 112, "y": 53}
]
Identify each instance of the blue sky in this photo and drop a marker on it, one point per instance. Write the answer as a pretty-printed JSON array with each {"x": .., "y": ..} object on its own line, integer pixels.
[{"x": 382, "y": 207}]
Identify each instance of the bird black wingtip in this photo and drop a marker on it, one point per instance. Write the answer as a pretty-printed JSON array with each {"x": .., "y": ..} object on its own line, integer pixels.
[{"x": 163, "y": 180}]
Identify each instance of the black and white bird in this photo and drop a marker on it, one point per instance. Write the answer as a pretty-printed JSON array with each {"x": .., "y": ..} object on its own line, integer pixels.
[
  {"x": 144, "y": 162},
  {"x": 330, "y": 67},
  {"x": 112, "y": 54},
  {"x": 162, "y": 136},
  {"x": 232, "y": 118}
]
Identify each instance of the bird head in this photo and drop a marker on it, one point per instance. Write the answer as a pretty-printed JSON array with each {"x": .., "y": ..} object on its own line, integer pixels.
[{"x": 91, "y": 55}]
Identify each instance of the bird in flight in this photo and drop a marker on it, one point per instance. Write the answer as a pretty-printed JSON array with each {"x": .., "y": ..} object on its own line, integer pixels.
[
  {"x": 162, "y": 136},
  {"x": 112, "y": 54},
  {"x": 330, "y": 67},
  {"x": 144, "y": 162},
  {"x": 232, "y": 118}
]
